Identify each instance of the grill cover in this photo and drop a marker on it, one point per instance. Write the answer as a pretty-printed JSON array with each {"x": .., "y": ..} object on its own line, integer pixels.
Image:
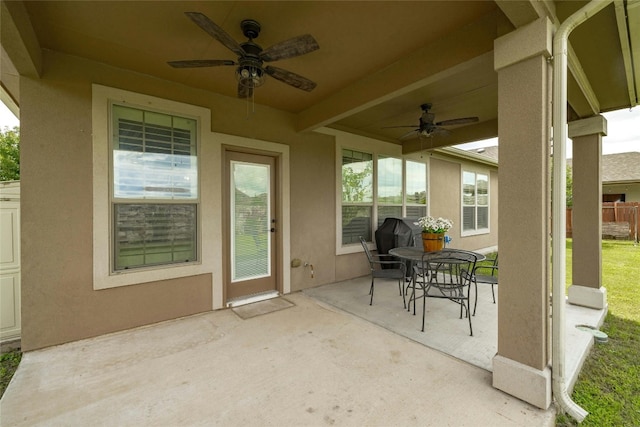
[{"x": 395, "y": 233}]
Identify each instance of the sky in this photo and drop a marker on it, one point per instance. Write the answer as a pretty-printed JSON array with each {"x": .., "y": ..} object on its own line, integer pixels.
[
  {"x": 623, "y": 131},
  {"x": 623, "y": 134},
  {"x": 7, "y": 119}
]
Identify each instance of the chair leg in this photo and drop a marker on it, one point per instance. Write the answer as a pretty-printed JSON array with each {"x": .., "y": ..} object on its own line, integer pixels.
[
  {"x": 414, "y": 300},
  {"x": 493, "y": 294},
  {"x": 470, "y": 328},
  {"x": 413, "y": 294},
  {"x": 475, "y": 304},
  {"x": 424, "y": 307},
  {"x": 371, "y": 292}
]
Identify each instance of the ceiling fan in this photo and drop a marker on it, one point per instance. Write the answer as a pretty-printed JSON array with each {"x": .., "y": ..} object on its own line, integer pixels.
[
  {"x": 428, "y": 128},
  {"x": 249, "y": 72}
]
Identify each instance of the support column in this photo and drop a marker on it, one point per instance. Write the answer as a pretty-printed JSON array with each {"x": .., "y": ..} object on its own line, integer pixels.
[
  {"x": 521, "y": 367},
  {"x": 586, "y": 289}
]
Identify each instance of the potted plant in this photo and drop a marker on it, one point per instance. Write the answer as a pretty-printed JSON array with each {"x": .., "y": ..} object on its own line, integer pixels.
[{"x": 433, "y": 231}]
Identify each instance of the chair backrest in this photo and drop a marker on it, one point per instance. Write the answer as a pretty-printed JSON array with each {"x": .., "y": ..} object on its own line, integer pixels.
[
  {"x": 367, "y": 251},
  {"x": 451, "y": 259}
]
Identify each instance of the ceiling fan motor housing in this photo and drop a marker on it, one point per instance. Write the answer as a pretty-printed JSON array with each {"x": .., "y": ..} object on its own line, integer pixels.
[{"x": 250, "y": 28}]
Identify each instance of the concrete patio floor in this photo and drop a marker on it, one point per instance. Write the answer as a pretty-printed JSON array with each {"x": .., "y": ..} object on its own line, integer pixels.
[
  {"x": 444, "y": 330},
  {"x": 307, "y": 363}
]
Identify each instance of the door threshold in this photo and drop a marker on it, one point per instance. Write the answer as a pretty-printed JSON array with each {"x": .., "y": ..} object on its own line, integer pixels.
[{"x": 250, "y": 299}]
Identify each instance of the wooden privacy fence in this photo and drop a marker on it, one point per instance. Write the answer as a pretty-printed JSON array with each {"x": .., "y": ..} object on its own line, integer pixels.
[{"x": 619, "y": 220}]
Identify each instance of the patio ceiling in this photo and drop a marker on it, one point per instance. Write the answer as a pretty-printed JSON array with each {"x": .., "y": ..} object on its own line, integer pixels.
[{"x": 377, "y": 62}]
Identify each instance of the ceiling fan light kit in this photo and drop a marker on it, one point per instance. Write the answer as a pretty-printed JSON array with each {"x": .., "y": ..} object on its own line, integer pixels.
[{"x": 250, "y": 73}]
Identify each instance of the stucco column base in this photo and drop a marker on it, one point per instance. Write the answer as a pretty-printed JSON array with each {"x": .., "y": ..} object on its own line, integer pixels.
[
  {"x": 522, "y": 381},
  {"x": 587, "y": 296}
]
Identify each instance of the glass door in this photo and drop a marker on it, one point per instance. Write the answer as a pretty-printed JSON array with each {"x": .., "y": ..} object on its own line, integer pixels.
[{"x": 251, "y": 224}]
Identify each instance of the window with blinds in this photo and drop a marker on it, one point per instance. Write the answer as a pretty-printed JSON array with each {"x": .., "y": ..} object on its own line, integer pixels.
[
  {"x": 397, "y": 188},
  {"x": 415, "y": 189},
  {"x": 357, "y": 195},
  {"x": 389, "y": 195},
  {"x": 154, "y": 188},
  {"x": 475, "y": 201}
]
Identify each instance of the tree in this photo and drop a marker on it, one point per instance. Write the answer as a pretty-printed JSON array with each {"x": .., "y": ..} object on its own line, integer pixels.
[
  {"x": 10, "y": 154},
  {"x": 568, "y": 185},
  {"x": 356, "y": 186}
]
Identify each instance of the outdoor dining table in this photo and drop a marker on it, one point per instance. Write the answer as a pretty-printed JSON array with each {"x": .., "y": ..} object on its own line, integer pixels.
[
  {"x": 451, "y": 264},
  {"x": 411, "y": 253}
]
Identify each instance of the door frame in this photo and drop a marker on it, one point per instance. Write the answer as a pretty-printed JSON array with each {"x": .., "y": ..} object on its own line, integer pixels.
[{"x": 280, "y": 154}]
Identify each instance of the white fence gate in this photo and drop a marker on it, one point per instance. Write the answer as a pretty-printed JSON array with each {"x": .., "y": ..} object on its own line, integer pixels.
[{"x": 9, "y": 260}]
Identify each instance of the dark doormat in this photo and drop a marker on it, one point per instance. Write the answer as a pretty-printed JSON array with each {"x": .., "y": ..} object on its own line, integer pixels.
[{"x": 263, "y": 307}]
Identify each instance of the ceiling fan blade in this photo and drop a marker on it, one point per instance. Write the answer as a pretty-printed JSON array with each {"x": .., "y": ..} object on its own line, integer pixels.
[
  {"x": 244, "y": 91},
  {"x": 290, "y": 48},
  {"x": 440, "y": 132},
  {"x": 193, "y": 63},
  {"x": 416, "y": 131},
  {"x": 396, "y": 127},
  {"x": 216, "y": 32},
  {"x": 461, "y": 121},
  {"x": 290, "y": 78}
]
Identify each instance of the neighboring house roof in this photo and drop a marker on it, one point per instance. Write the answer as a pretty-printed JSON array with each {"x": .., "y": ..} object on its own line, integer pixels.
[
  {"x": 491, "y": 152},
  {"x": 468, "y": 155},
  {"x": 619, "y": 167}
]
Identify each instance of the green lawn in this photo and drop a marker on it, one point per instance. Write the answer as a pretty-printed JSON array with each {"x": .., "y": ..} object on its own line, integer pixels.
[
  {"x": 8, "y": 365},
  {"x": 608, "y": 386}
]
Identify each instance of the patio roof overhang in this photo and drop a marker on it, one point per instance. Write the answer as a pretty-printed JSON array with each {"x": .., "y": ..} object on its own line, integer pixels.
[{"x": 375, "y": 66}]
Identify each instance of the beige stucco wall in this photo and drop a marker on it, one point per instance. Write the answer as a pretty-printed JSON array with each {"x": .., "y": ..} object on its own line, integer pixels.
[
  {"x": 59, "y": 300},
  {"x": 445, "y": 177},
  {"x": 59, "y": 303},
  {"x": 524, "y": 237},
  {"x": 587, "y": 211}
]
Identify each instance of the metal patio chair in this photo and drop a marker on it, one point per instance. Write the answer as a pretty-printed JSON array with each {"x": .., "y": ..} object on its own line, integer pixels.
[
  {"x": 394, "y": 269},
  {"x": 445, "y": 274},
  {"x": 487, "y": 274}
]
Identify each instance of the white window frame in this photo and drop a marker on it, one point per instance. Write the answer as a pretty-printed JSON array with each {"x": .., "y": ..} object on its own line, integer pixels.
[
  {"x": 104, "y": 276},
  {"x": 476, "y": 231}
]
